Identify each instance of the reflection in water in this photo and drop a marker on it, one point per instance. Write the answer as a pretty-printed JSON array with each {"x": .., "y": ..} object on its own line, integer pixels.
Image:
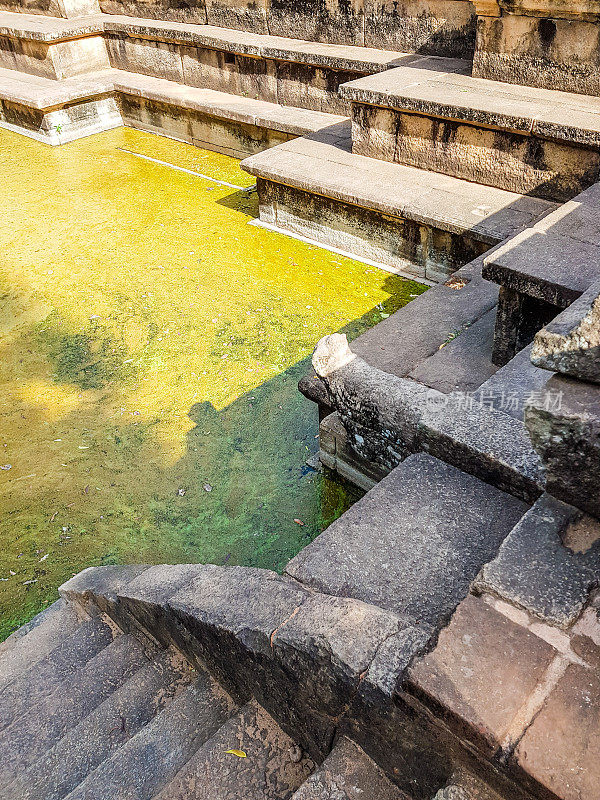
[{"x": 151, "y": 344}]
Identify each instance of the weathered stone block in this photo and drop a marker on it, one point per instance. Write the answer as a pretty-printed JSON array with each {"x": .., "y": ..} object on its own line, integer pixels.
[
  {"x": 333, "y": 21},
  {"x": 190, "y": 11},
  {"x": 506, "y": 159},
  {"x": 542, "y": 567},
  {"x": 550, "y": 53},
  {"x": 243, "y": 15},
  {"x": 437, "y": 27},
  {"x": 97, "y": 587},
  {"x": 230, "y": 72},
  {"x": 145, "y": 56},
  {"x": 561, "y": 748},
  {"x": 564, "y": 425},
  {"x": 570, "y": 344}
]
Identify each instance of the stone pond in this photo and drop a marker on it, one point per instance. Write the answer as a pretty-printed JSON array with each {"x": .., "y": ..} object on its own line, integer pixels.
[{"x": 151, "y": 343}]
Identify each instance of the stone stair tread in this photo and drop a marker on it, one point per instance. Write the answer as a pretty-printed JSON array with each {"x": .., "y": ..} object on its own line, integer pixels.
[
  {"x": 58, "y": 667},
  {"x": 271, "y": 769},
  {"x": 454, "y": 95},
  {"x": 462, "y": 363},
  {"x": 414, "y": 543},
  {"x": 348, "y": 774},
  {"x": 332, "y": 56},
  {"x": 84, "y": 747},
  {"x": 32, "y": 734},
  {"x": 323, "y": 163},
  {"x": 32, "y": 642},
  {"x": 546, "y": 265},
  {"x": 511, "y": 385},
  {"x": 41, "y": 93},
  {"x": 149, "y": 760},
  {"x": 548, "y": 564}
]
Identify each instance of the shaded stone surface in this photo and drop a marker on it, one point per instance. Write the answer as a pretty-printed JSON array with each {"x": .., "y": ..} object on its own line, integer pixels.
[
  {"x": 273, "y": 768},
  {"x": 535, "y": 570},
  {"x": 413, "y": 544},
  {"x": 570, "y": 344},
  {"x": 348, "y": 774},
  {"x": 564, "y": 425},
  {"x": 513, "y": 384},
  {"x": 561, "y": 748},
  {"x": 482, "y": 670}
]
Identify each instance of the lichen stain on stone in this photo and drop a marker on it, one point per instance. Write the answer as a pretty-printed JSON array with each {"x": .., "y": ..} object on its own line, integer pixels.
[{"x": 151, "y": 343}]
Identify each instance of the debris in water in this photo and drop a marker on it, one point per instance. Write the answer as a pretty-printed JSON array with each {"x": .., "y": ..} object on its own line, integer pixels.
[
  {"x": 298, "y": 522},
  {"x": 6, "y": 466},
  {"x": 207, "y": 487},
  {"x": 238, "y": 753}
]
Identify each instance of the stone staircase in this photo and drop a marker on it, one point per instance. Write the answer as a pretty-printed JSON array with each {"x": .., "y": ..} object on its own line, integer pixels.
[{"x": 88, "y": 711}]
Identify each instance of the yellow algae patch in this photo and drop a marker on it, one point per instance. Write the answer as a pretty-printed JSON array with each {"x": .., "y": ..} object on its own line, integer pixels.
[{"x": 151, "y": 345}]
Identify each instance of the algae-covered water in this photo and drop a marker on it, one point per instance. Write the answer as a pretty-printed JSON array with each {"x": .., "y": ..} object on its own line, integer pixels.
[{"x": 151, "y": 341}]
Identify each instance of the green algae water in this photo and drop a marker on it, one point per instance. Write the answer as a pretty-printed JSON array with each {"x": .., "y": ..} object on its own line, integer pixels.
[{"x": 151, "y": 344}]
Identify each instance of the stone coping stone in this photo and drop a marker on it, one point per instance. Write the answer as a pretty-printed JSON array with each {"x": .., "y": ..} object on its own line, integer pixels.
[
  {"x": 323, "y": 164},
  {"x": 546, "y": 266},
  {"x": 512, "y": 385},
  {"x": 41, "y": 28},
  {"x": 570, "y": 344},
  {"x": 548, "y": 564},
  {"x": 413, "y": 544},
  {"x": 423, "y": 325},
  {"x": 452, "y": 94},
  {"x": 578, "y": 218},
  {"x": 44, "y": 93}
]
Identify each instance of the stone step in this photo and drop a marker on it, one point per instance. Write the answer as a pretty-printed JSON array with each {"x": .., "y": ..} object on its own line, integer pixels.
[
  {"x": 414, "y": 543},
  {"x": 35, "y": 684},
  {"x": 513, "y": 385},
  {"x": 348, "y": 774},
  {"x": 464, "y": 361},
  {"x": 272, "y": 769},
  {"x": 108, "y": 727},
  {"x": 548, "y": 564},
  {"x": 142, "y": 766},
  {"x": 410, "y": 219},
  {"x": 58, "y": 112},
  {"x": 422, "y": 327},
  {"x": 29, "y": 736},
  {"x": 438, "y": 28},
  {"x": 32, "y": 642},
  {"x": 534, "y": 141}
]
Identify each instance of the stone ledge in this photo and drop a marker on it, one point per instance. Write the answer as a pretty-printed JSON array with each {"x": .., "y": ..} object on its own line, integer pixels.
[
  {"x": 36, "y": 27},
  {"x": 323, "y": 165},
  {"x": 545, "y": 113}
]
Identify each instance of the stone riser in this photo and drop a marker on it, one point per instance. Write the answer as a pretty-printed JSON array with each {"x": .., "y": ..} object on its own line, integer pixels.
[
  {"x": 418, "y": 249},
  {"x": 561, "y": 54},
  {"x": 505, "y": 159},
  {"x": 230, "y": 137},
  {"x": 67, "y": 9},
  {"x": 57, "y": 60},
  {"x": 438, "y": 27},
  {"x": 283, "y": 82}
]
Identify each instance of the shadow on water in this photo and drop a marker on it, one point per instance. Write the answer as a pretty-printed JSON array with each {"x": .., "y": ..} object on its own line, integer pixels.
[{"x": 234, "y": 497}]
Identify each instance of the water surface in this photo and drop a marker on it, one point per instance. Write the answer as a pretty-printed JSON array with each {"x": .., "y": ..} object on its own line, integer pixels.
[{"x": 151, "y": 344}]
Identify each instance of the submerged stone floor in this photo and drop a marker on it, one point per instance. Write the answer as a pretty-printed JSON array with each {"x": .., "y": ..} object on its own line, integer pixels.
[{"x": 151, "y": 345}]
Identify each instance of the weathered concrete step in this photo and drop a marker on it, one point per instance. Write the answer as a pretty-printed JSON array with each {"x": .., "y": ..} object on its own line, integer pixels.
[
  {"x": 414, "y": 543},
  {"x": 536, "y": 141},
  {"x": 108, "y": 727},
  {"x": 273, "y": 768},
  {"x": 30, "y": 736},
  {"x": 149, "y": 760},
  {"x": 348, "y": 774},
  {"x": 32, "y": 642},
  {"x": 513, "y": 385},
  {"x": 35, "y": 684},
  {"x": 40, "y": 28},
  {"x": 412, "y": 219}
]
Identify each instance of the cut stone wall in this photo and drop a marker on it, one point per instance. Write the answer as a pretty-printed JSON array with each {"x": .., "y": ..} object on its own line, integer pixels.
[
  {"x": 416, "y": 248},
  {"x": 549, "y": 53},
  {"x": 57, "y": 60},
  {"x": 506, "y": 159}
]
